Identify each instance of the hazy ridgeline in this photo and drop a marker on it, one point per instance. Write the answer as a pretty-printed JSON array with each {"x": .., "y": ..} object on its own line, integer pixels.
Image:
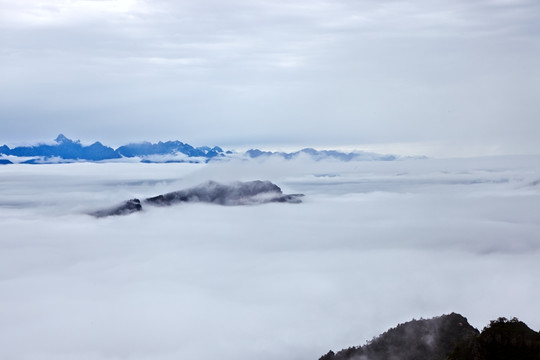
[{"x": 373, "y": 244}]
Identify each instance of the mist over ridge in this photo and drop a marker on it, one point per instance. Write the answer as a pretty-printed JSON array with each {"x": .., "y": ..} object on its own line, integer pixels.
[
  {"x": 448, "y": 337},
  {"x": 235, "y": 194}
]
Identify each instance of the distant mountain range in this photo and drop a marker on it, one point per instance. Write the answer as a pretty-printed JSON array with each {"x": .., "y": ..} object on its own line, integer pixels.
[
  {"x": 448, "y": 337},
  {"x": 67, "y": 150},
  {"x": 322, "y": 154}
]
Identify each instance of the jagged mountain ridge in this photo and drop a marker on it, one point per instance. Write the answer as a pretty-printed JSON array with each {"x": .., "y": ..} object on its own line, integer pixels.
[
  {"x": 64, "y": 149},
  {"x": 448, "y": 337},
  {"x": 169, "y": 147},
  {"x": 67, "y": 150}
]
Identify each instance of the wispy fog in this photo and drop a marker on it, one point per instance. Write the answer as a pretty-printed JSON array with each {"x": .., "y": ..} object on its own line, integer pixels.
[{"x": 373, "y": 244}]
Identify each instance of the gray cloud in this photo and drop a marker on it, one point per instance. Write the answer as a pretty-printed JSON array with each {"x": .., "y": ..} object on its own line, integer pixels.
[{"x": 236, "y": 72}]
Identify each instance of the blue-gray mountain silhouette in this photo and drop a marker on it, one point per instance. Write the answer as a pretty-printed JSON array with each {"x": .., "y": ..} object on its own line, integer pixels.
[
  {"x": 169, "y": 147},
  {"x": 322, "y": 154},
  {"x": 67, "y": 150}
]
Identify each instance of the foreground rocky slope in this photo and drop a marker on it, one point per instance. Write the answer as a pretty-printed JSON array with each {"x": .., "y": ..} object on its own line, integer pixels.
[
  {"x": 448, "y": 337},
  {"x": 501, "y": 339}
]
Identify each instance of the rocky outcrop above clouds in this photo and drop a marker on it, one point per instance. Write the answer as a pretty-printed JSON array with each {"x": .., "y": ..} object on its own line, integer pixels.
[{"x": 238, "y": 193}]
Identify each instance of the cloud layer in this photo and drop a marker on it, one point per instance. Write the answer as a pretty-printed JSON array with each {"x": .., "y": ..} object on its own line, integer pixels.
[{"x": 372, "y": 245}]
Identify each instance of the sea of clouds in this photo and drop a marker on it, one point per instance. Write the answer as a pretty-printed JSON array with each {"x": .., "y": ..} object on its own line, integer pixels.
[{"x": 372, "y": 244}]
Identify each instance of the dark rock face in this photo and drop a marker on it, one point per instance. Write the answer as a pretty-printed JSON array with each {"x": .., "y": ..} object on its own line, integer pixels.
[
  {"x": 431, "y": 339},
  {"x": 126, "y": 208},
  {"x": 239, "y": 193},
  {"x": 502, "y": 339},
  {"x": 448, "y": 337}
]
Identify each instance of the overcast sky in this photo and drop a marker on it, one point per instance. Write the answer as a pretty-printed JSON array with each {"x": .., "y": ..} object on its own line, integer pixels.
[{"x": 455, "y": 74}]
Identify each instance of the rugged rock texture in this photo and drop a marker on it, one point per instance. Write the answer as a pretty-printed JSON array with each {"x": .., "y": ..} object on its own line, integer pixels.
[
  {"x": 448, "y": 337},
  {"x": 431, "y": 339},
  {"x": 126, "y": 208},
  {"x": 502, "y": 339},
  {"x": 239, "y": 193}
]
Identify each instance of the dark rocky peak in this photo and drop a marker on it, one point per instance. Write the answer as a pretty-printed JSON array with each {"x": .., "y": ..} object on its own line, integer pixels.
[
  {"x": 126, "y": 208},
  {"x": 431, "y": 339},
  {"x": 448, "y": 337},
  {"x": 502, "y": 339},
  {"x": 234, "y": 194}
]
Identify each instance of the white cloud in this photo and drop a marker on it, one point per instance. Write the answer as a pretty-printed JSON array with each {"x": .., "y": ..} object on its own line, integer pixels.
[
  {"x": 374, "y": 244},
  {"x": 69, "y": 14}
]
